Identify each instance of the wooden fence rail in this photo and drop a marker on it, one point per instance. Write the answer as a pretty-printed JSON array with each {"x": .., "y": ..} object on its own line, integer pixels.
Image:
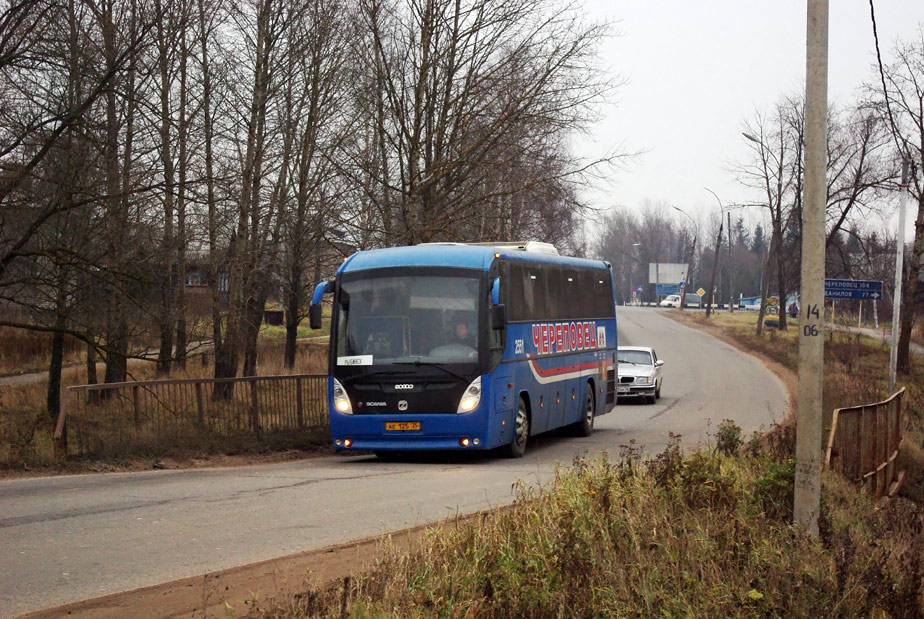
[
  {"x": 107, "y": 417},
  {"x": 863, "y": 444}
]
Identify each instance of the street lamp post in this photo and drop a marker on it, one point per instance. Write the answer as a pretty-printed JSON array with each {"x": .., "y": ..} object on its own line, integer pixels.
[
  {"x": 731, "y": 270},
  {"x": 686, "y": 278},
  {"x": 715, "y": 256}
]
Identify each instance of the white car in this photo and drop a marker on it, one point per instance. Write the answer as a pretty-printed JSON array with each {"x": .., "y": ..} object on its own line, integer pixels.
[{"x": 639, "y": 373}]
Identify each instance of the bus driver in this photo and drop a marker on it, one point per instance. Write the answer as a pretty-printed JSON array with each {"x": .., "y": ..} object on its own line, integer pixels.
[{"x": 462, "y": 336}]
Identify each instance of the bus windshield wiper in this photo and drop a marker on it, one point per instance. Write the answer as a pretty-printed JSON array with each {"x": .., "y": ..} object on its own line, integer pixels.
[{"x": 418, "y": 362}]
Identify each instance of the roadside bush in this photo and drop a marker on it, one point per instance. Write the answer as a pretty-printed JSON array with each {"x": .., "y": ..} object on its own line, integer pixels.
[
  {"x": 728, "y": 437},
  {"x": 773, "y": 489}
]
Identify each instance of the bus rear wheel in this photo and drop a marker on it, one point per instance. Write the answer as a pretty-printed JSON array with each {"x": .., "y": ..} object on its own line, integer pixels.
[
  {"x": 517, "y": 447},
  {"x": 585, "y": 426}
]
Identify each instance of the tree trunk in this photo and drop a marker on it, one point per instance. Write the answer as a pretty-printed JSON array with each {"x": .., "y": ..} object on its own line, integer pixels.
[
  {"x": 117, "y": 323},
  {"x": 167, "y": 273},
  {"x": 54, "y": 371},
  {"x": 781, "y": 277},
  {"x": 909, "y": 299},
  {"x": 253, "y": 319},
  {"x": 765, "y": 289},
  {"x": 293, "y": 295},
  {"x": 181, "y": 241},
  {"x": 92, "y": 379}
]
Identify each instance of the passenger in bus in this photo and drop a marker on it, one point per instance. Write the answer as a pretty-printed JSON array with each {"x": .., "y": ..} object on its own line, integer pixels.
[{"x": 462, "y": 335}]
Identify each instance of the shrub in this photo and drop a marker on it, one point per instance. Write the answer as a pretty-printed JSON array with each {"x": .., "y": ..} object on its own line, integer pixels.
[
  {"x": 728, "y": 437},
  {"x": 773, "y": 490}
]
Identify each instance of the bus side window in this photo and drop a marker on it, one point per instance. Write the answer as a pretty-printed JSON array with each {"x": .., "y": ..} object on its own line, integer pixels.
[
  {"x": 570, "y": 294},
  {"x": 554, "y": 310},
  {"x": 589, "y": 305}
]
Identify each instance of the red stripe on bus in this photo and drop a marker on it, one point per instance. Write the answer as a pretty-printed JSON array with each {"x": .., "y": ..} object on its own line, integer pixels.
[{"x": 563, "y": 370}]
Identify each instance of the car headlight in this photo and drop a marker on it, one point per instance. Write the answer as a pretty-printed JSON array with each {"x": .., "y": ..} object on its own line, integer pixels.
[
  {"x": 341, "y": 400},
  {"x": 471, "y": 397},
  {"x": 645, "y": 380}
]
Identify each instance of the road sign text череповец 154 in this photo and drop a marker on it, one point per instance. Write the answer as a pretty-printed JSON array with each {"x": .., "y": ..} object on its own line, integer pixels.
[{"x": 852, "y": 289}]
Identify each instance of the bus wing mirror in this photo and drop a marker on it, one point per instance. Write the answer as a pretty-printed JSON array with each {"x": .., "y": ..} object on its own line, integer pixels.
[
  {"x": 495, "y": 292},
  {"x": 498, "y": 317},
  {"x": 314, "y": 311},
  {"x": 314, "y": 316}
]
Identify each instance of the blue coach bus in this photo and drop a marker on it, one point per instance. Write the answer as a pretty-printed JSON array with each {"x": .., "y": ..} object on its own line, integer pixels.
[{"x": 467, "y": 346}]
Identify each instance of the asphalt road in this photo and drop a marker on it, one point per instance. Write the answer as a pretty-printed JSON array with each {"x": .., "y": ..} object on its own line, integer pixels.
[{"x": 64, "y": 539}]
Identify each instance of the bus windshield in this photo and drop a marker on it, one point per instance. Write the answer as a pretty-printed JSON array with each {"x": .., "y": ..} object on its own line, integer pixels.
[{"x": 408, "y": 318}]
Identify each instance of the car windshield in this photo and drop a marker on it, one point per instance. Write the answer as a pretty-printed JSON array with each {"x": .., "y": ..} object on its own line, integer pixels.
[
  {"x": 638, "y": 357},
  {"x": 408, "y": 319}
]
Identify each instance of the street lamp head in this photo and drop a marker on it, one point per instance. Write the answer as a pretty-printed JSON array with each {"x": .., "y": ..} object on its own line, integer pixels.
[
  {"x": 716, "y": 197},
  {"x": 750, "y": 137}
]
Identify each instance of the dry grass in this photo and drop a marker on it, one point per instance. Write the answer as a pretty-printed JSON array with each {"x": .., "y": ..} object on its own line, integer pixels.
[
  {"x": 856, "y": 372},
  {"x": 703, "y": 536},
  {"x": 26, "y": 431},
  {"x": 22, "y": 351}
]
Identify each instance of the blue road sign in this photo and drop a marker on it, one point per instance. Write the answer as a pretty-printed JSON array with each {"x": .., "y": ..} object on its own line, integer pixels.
[
  {"x": 663, "y": 290},
  {"x": 852, "y": 289}
]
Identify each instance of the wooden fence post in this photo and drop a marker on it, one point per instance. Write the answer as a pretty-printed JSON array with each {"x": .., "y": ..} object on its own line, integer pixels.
[
  {"x": 299, "y": 409},
  {"x": 200, "y": 408},
  {"x": 254, "y": 409},
  {"x": 61, "y": 428},
  {"x": 136, "y": 405}
]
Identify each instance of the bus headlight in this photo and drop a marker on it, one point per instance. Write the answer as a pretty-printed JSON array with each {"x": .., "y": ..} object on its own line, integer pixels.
[
  {"x": 471, "y": 397},
  {"x": 341, "y": 401}
]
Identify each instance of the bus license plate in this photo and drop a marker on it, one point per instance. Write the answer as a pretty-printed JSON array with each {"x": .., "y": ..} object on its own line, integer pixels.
[{"x": 401, "y": 426}]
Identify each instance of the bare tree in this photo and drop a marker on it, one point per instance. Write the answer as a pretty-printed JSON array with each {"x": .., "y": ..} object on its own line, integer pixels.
[
  {"x": 900, "y": 103},
  {"x": 775, "y": 171},
  {"x": 466, "y": 98}
]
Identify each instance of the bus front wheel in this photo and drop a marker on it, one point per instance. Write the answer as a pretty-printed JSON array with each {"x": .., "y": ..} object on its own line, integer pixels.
[{"x": 517, "y": 446}]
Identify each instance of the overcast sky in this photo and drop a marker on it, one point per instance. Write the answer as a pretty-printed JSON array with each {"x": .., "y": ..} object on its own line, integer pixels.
[{"x": 696, "y": 70}]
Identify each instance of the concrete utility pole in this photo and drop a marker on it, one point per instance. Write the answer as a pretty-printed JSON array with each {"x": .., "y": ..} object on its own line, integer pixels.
[
  {"x": 807, "y": 499},
  {"x": 715, "y": 263},
  {"x": 686, "y": 277},
  {"x": 899, "y": 267}
]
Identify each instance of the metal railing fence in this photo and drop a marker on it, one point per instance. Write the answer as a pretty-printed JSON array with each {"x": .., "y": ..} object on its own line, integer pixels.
[
  {"x": 104, "y": 418},
  {"x": 863, "y": 444}
]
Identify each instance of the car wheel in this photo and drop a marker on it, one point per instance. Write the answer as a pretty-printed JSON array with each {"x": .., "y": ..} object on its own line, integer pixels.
[
  {"x": 658, "y": 392},
  {"x": 517, "y": 447},
  {"x": 651, "y": 399},
  {"x": 585, "y": 427}
]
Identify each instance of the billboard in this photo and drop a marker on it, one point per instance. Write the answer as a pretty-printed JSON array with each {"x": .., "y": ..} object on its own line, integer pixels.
[{"x": 666, "y": 272}]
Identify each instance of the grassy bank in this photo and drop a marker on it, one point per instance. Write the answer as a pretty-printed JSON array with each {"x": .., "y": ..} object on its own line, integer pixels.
[
  {"x": 856, "y": 372},
  {"x": 705, "y": 535}
]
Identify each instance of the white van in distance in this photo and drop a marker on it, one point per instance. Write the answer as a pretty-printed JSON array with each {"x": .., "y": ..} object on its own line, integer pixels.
[{"x": 693, "y": 300}]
